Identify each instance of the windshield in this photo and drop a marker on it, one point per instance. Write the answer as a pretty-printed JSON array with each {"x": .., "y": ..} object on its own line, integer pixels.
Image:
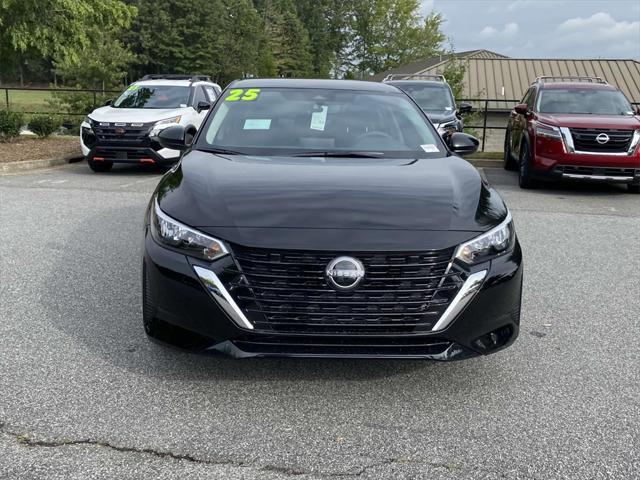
[
  {"x": 584, "y": 101},
  {"x": 431, "y": 98},
  {"x": 299, "y": 121},
  {"x": 153, "y": 96}
]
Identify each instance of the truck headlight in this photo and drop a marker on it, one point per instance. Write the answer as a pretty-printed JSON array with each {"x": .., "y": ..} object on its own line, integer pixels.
[
  {"x": 488, "y": 245},
  {"x": 548, "y": 131},
  {"x": 177, "y": 236}
]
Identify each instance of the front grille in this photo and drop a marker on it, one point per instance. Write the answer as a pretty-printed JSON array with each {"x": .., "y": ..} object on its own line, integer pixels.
[
  {"x": 286, "y": 291},
  {"x": 584, "y": 140},
  {"x": 126, "y": 134}
]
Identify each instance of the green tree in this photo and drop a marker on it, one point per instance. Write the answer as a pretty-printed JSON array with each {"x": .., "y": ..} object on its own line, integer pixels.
[
  {"x": 57, "y": 28},
  {"x": 389, "y": 33},
  {"x": 287, "y": 38}
]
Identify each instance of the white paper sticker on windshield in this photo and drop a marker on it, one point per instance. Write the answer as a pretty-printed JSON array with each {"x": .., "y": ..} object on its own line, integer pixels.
[
  {"x": 448, "y": 108},
  {"x": 430, "y": 148},
  {"x": 257, "y": 124},
  {"x": 183, "y": 105},
  {"x": 319, "y": 119}
]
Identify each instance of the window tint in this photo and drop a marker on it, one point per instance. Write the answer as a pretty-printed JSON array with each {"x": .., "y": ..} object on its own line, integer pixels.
[
  {"x": 431, "y": 98},
  {"x": 199, "y": 96},
  {"x": 211, "y": 92},
  {"x": 286, "y": 120},
  {"x": 584, "y": 101},
  {"x": 153, "y": 96}
]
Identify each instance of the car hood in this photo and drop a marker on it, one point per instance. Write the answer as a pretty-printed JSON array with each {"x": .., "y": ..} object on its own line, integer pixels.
[
  {"x": 135, "y": 115},
  {"x": 441, "y": 117},
  {"x": 336, "y": 202},
  {"x": 591, "y": 121}
]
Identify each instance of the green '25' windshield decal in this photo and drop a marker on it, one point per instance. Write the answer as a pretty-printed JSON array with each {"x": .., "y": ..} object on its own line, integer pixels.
[{"x": 239, "y": 94}]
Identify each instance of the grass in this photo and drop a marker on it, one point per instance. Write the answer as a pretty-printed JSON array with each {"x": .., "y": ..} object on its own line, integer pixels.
[{"x": 25, "y": 101}]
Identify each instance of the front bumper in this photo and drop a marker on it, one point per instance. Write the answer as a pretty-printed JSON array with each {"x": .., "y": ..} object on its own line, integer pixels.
[
  {"x": 188, "y": 306},
  {"x": 143, "y": 152}
]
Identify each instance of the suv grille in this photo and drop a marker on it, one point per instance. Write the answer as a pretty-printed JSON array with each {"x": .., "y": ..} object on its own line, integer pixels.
[
  {"x": 286, "y": 291},
  {"x": 584, "y": 140},
  {"x": 129, "y": 135}
]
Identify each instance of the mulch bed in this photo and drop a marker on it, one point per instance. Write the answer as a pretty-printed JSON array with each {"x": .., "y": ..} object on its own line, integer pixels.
[{"x": 22, "y": 149}]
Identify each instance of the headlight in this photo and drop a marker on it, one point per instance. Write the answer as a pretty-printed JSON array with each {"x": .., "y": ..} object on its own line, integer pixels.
[
  {"x": 448, "y": 127},
  {"x": 173, "y": 234},
  {"x": 548, "y": 131},
  {"x": 87, "y": 119},
  {"x": 488, "y": 245},
  {"x": 162, "y": 124}
]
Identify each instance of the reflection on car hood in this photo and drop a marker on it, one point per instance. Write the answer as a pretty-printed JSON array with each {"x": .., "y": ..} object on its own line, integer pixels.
[
  {"x": 441, "y": 117},
  {"x": 362, "y": 201},
  {"x": 134, "y": 115}
]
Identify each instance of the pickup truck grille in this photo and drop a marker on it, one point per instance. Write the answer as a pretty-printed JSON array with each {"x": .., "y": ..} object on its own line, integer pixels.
[
  {"x": 286, "y": 291},
  {"x": 584, "y": 140}
]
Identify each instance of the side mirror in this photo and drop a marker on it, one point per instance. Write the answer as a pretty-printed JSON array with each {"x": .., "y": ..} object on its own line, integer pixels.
[
  {"x": 522, "y": 109},
  {"x": 462, "y": 143},
  {"x": 465, "y": 107},
  {"x": 175, "y": 138},
  {"x": 203, "y": 106},
  {"x": 108, "y": 102}
]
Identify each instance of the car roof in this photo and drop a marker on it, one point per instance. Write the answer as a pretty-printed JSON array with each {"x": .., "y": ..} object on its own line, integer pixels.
[
  {"x": 169, "y": 82},
  {"x": 313, "y": 83},
  {"x": 431, "y": 83},
  {"x": 577, "y": 86}
]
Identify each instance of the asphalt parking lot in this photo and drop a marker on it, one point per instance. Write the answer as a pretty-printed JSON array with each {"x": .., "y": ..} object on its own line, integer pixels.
[{"x": 83, "y": 394}]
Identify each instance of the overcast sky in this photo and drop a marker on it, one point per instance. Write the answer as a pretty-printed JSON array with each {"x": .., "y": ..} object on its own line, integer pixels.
[{"x": 543, "y": 28}]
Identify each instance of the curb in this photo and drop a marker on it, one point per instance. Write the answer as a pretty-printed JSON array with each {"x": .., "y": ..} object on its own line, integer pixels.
[
  {"x": 10, "y": 167},
  {"x": 484, "y": 163}
]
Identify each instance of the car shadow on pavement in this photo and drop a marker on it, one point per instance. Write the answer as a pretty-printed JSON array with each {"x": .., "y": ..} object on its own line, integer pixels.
[
  {"x": 93, "y": 296},
  {"x": 128, "y": 169}
]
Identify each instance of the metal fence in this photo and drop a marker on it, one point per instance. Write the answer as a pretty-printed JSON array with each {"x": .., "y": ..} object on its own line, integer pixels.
[{"x": 484, "y": 106}]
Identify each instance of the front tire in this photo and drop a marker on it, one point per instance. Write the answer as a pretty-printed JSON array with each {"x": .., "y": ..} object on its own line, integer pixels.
[
  {"x": 508, "y": 164},
  {"x": 633, "y": 188},
  {"x": 99, "y": 166},
  {"x": 524, "y": 170}
]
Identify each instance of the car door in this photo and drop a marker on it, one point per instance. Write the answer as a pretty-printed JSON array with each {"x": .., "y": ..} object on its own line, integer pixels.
[{"x": 519, "y": 123}]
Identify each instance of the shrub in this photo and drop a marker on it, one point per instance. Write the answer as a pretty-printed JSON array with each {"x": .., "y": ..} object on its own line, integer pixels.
[
  {"x": 44, "y": 125},
  {"x": 10, "y": 124}
]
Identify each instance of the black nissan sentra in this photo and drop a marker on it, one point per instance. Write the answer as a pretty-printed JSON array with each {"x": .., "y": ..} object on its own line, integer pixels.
[{"x": 328, "y": 218}]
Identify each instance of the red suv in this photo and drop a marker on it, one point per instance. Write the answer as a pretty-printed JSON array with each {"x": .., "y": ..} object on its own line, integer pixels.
[{"x": 578, "y": 128}]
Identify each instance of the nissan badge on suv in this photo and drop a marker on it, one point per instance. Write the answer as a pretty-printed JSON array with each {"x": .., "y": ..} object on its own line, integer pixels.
[
  {"x": 576, "y": 128},
  {"x": 433, "y": 94},
  {"x": 123, "y": 131},
  {"x": 328, "y": 218}
]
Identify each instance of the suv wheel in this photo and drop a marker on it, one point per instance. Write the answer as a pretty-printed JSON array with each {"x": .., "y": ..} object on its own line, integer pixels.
[
  {"x": 100, "y": 166},
  {"x": 524, "y": 170},
  {"x": 633, "y": 187},
  {"x": 508, "y": 164}
]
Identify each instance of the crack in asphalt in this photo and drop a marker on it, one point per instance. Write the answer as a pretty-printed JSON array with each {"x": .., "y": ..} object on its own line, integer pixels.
[{"x": 30, "y": 442}]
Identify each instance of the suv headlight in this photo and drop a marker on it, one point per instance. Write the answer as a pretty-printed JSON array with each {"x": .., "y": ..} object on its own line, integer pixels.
[
  {"x": 176, "y": 236},
  {"x": 488, "y": 245},
  {"x": 448, "y": 127},
  {"x": 548, "y": 131},
  {"x": 162, "y": 124},
  {"x": 87, "y": 119}
]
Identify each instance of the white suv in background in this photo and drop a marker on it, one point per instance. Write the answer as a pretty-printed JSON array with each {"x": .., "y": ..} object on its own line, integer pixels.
[{"x": 123, "y": 131}]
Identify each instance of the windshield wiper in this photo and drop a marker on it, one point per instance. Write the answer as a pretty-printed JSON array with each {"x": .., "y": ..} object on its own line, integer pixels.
[
  {"x": 221, "y": 150},
  {"x": 340, "y": 154}
]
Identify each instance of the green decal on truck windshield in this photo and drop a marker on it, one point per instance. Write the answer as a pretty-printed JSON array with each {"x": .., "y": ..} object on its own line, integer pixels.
[{"x": 239, "y": 94}]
